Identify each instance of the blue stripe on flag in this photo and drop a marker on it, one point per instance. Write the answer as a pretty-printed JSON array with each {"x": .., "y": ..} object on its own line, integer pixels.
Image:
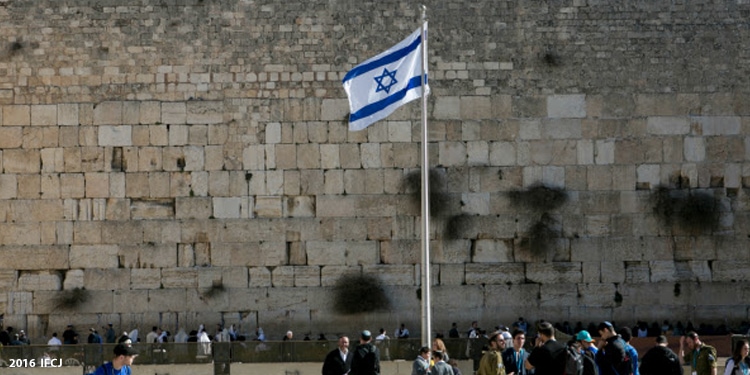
[
  {"x": 385, "y": 60},
  {"x": 370, "y": 109}
]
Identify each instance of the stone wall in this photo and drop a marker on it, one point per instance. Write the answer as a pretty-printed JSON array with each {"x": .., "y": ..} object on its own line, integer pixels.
[{"x": 188, "y": 162}]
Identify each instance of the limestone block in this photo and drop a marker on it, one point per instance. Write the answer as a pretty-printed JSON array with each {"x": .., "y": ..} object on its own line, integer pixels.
[
  {"x": 636, "y": 272},
  {"x": 39, "y": 280},
  {"x": 728, "y": 271},
  {"x": 173, "y": 113},
  {"x": 398, "y": 252},
  {"x": 179, "y": 278},
  {"x": 447, "y": 108},
  {"x": 145, "y": 278},
  {"x": 330, "y": 274},
  {"x": 75, "y": 279},
  {"x": 393, "y": 274},
  {"x": 234, "y": 277},
  {"x": 275, "y": 182},
  {"x": 130, "y": 302},
  {"x": 67, "y": 114},
  {"x": 194, "y": 158},
  {"x": 558, "y": 295},
  {"x": 370, "y": 155},
  {"x": 121, "y": 135},
  {"x": 475, "y": 107},
  {"x": 596, "y": 294},
  {"x": 11, "y": 137},
  {"x": 94, "y": 256},
  {"x": 502, "y": 153},
  {"x": 178, "y": 135},
  {"x": 152, "y": 208},
  {"x": 307, "y": 276},
  {"x": 205, "y": 112},
  {"x": 667, "y": 125},
  {"x": 350, "y": 156},
  {"x": 268, "y": 206},
  {"x": 662, "y": 271},
  {"x": 334, "y": 109},
  {"x": 591, "y": 272},
  {"x": 108, "y": 113},
  {"x": 561, "y": 129},
  {"x": 613, "y": 272},
  {"x": 498, "y": 273},
  {"x": 259, "y": 277},
  {"x": 20, "y": 303},
  {"x": 193, "y": 207},
  {"x": 227, "y": 208},
  {"x": 451, "y": 274},
  {"x": 45, "y": 114},
  {"x": 718, "y": 125},
  {"x": 491, "y": 251},
  {"x": 16, "y": 115},
  {"x": 648, "y": 175},
  {"x": 695, "y": 149},
  {"x": 299, "y": 206},
  {"x": 8, "y": 186},
  {"x": 478, "y": 153},
  {"x": 558, "y": 272},
  {"x": 452, "y": 153},
  {"x": 329, "y": 156},
  {"x": 21, "y": 161},
  {"x": 282, "y": 276},
  {"x": 399, "y": 131},
  {"x": 566, "y": 106},
  {"x": 34, "y": 257},
  {"x": 166, "y": 300},
  {"x": 8, "y": 279},
  {"x": 104, "y": 278}
]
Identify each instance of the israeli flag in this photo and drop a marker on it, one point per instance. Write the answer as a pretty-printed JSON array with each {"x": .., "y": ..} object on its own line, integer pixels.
[{"x": 380, "y": 85}]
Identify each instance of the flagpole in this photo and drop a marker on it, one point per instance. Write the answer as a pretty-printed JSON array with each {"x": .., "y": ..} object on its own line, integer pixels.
[{"x": 426, "y": 280}]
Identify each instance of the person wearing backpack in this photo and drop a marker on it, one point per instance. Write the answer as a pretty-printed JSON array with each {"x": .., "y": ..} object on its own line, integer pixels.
[
  {"x": 611, "y": 357},
  {"x": 660, "y": 360},
  {"x": 366, "y": 357},
  {"x": 573, "y": 358}
]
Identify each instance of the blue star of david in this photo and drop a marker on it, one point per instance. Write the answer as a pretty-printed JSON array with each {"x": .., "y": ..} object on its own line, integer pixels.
[{"x": 379, "y": 80}]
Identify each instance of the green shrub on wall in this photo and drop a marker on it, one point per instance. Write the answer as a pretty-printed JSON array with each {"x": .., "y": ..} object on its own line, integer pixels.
[{"x": 355, "y": 293}]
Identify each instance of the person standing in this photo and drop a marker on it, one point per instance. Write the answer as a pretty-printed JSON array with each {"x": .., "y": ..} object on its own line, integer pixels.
[
  {"x": 70, "y": 336},
  {"x": 54, "y": 343},
  {"x": 626, "y": 335},
  {"x": 548, "y": 356},
  {"x": 366, "y": 357},
  {"x": 739, "y": 363},
  {"x": 120, "y": 364},
  {"x": 611, "y": 357},
  {"x": 110, "y": 334},
  {"x": 440, "y": 367},
  {"x": 421, "y": 364},
  {"x": 339, "y": 360},
  {"x": 492, "y": 360},
  {"x": 660, "y": 360},
  {"x": 515, "y": 355},
  {"x": 700, "y": 357}
]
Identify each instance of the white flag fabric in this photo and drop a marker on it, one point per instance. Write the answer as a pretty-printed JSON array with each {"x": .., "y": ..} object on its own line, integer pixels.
[{"x": 380, "y": 85}]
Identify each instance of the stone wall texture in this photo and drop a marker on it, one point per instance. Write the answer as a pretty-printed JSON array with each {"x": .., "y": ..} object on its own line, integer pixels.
[{"x": 188, "y": 162}]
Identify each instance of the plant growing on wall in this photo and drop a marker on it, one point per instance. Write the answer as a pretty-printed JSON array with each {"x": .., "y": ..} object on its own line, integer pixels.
[
  {"x": 72, "y": 298},
  {"x": 540, "y": 199},
  {"x": 412, "y": 185},
  {"x": 692, "y": 210},
  {"x": 358, "y": 293}
]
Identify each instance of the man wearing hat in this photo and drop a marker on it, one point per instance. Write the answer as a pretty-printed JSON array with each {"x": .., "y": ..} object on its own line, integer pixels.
[
  {"x": 611, "y": 357},
  {"x": 492, "y": 360},
  {"x": 366, "y": 357},
  {"x": 660, "y": 360},
  {"x": 120, "y": 364}
]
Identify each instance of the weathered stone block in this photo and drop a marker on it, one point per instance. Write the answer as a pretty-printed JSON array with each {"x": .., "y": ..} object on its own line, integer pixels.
[
  {"x": 16, "y": 115},
  {"x": 491, "y": 251},
  {"x": 558, "y": 272},
  {"x": 145, "y": 278},
  {"x": 67, "y": 114},
  {"x": 475, "y": 107},
  {"x": 667, "y": 125},
  {"x": 447, "y": 107},
  {"x": 259, "y": 277},
  {"x": 299, "y": 206},
  {"x": 306, "y": 276},
  {"x": 566, "y": 106},
  {"x": 193, "y": 207},
  {"x": 21, "y": 161},
  {"x": 163, "y": 300},
  {"x": 45, "y": 114},
  {"x": 558, "y": 295},
  {"x": 94, "y": 256},
  {"x": 268, "y": 206},
  {"x": 613, "y": 272},
  {"x": 108, "y": 113},
  {"x": 498, "y": 273},
  {"x": 104, "y": 278},
  {"x": 34, "y": 257},
  {"x": 39, "y": 280},
  {"x": 204, "y": 112},
  {"x": 174, "y": 113}
]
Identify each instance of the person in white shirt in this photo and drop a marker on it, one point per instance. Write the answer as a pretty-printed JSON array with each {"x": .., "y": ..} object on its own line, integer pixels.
[{"x": 54, "y": 343}]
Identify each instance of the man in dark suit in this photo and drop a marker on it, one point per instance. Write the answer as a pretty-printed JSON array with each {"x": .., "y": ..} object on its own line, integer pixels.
[{"x": 339, "y": 360}]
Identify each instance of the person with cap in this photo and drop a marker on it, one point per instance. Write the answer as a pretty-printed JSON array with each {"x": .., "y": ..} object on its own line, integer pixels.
[
  {"x": 611, "y": 357},
  {"x": 701, "y": 357},
  {"x": 339, "y": 360},
  {"x": 587, "y": 343},
  {"x": 421, "y": 365},
  {"x": 515, "y": 355},
  {"x": 366, "y": 357},
  {"x": 492, "y": 359},
  {"x": 660, "y": 360},
  {"x": 548, "y": 356},
  {"x": 120, "y": 364}
]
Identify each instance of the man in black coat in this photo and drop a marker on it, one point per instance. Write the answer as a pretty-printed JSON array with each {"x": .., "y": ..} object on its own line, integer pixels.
[
  {"x": 660, "y": 360},
  {"x": 339, "y": 360},
  {"x": 366, "y": 358}
]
